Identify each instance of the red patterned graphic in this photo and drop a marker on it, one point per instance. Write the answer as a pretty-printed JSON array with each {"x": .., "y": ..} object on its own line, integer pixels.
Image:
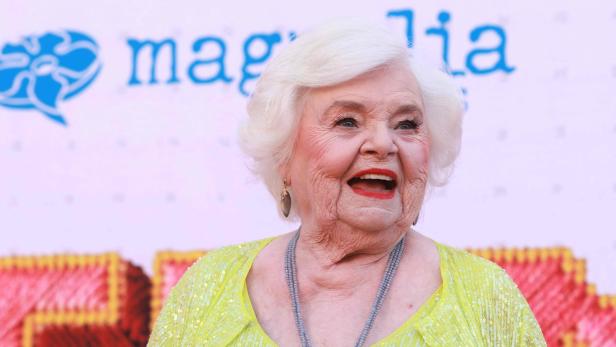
[
  {"x": 103, "y": 300},
  {"x": 71, "y": 300}
]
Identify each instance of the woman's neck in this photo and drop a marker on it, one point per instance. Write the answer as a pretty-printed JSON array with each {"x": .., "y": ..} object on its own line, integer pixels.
[{"x": 340, "y": 258}]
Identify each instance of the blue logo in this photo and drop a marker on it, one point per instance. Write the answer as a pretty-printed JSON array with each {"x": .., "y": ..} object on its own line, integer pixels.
[{"x": 42, "y": 71}]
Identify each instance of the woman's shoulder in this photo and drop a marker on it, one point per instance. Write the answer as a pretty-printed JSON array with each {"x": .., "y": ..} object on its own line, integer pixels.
[
  {"x": 477, "y": 280},
  {"x": 229, "y": 256},
  {"x": 220, "y": 267},
  {"x": 206, "y": 296},
  {"x": 465, "y": 266},
  {"x": 487, "y": 296}
]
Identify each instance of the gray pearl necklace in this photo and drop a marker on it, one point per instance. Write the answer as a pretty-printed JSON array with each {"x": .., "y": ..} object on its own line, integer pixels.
[{"x": 290, "y": 268}]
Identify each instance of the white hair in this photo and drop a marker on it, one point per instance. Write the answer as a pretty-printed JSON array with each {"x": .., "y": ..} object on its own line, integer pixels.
[{"x": 329, "y": 55}]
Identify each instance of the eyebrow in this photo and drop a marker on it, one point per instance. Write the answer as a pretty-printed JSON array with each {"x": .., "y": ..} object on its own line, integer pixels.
[
  {"x": 408, "y": 108},
  {"x": 361, "y": 108},
  {"x": 345, "y": 104}
]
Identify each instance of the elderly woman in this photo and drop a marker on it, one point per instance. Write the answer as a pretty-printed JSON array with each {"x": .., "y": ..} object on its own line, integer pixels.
[{"x": 347, "y": 132}]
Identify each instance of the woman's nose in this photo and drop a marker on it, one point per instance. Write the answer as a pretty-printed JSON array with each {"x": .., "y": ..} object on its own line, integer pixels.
[{"x": 379, "y": 142}]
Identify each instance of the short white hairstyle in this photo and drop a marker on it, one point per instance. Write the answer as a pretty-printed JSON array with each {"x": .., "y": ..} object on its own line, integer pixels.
[{"x": 328, "y": 55}]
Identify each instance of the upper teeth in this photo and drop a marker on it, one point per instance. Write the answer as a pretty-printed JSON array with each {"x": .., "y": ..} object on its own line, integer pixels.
[{"x": 375, "y": 177}]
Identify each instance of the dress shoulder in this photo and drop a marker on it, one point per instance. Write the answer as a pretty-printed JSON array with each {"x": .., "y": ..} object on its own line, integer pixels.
[
  {"x": 489, "y": 298},
  {"x": 206, "y": 298},
  {"x": 219, "y": 261},
  {"x": 470, "y": 267}
]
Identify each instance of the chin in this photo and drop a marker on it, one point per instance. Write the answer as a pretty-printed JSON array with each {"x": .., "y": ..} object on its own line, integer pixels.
[{"x": 371, "y": 219}]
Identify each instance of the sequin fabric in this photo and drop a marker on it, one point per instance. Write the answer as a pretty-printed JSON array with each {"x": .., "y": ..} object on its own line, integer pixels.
[{"x": 476, "y": 305}]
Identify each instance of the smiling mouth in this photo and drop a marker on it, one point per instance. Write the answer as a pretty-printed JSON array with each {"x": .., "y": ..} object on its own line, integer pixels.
[{"x": 374, "y": 183}]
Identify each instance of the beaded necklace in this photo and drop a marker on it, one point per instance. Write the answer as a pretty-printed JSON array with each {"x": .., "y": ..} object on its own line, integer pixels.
[{"x": 290, "y": 268}]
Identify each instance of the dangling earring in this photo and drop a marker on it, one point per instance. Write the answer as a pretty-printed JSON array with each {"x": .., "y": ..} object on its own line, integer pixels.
[{"x": 285, "y": 200}]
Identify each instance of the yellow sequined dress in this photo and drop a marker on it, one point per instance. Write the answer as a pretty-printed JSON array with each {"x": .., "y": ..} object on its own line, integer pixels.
[{"x": 476, "y": 305}]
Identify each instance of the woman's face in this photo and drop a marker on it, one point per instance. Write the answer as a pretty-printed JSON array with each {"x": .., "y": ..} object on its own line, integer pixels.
[{"x": 361, "y": 152}]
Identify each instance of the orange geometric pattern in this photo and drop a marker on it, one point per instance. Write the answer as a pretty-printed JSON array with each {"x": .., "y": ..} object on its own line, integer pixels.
[{"x": 73, "y": 300}]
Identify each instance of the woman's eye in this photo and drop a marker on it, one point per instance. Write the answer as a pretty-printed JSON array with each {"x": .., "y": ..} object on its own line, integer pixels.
[
  {"x": 407, "y": 125},
  {"x": 347, "y": 122}
]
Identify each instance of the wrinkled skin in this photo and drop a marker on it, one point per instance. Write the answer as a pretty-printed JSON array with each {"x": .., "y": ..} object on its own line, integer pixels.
[{"x": 373, "y": 121}]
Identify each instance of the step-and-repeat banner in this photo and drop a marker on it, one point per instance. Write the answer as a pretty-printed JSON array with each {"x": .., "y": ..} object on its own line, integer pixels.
[{"x": 118, "y": 123}]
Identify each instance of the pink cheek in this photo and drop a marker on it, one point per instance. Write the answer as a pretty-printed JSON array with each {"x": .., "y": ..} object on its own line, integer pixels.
[
  {"x": 416, "y": 158},
  {"x": 335, "y": 157},
  {"x": 330, "y": 156}
]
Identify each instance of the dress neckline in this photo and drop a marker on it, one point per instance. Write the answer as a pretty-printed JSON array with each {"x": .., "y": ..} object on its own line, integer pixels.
[{"x": 433, "y": 301}]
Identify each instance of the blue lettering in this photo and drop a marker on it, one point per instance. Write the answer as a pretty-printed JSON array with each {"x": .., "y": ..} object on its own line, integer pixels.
[
  {"x": 409, "y": 16},
  {"x": 465, "y": 98},
  {"x": 499, "y": 49},
  {"x": 209, "y": 64},
  {"x": 137, "y": 45},
  {"x": 220, "y": 60},
  {"x": 443, "y": 19},
  {"x": 269, "y": 40}
]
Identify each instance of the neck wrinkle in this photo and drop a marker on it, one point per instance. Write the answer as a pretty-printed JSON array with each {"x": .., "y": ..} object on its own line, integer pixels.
[{"x": 341, "y": 258}]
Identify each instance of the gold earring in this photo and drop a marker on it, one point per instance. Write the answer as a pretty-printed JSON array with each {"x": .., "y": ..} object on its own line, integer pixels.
[{"x": 285, "y": 200}]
